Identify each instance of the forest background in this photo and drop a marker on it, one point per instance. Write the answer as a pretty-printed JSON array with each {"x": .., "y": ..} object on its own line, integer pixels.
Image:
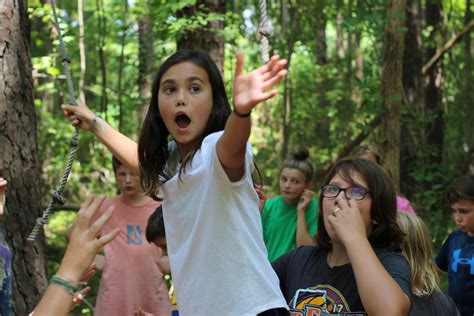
[{"x": 392, "y": 73}]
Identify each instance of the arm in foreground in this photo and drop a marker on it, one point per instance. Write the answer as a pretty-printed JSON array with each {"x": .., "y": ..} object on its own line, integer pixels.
[{"x": 81, "y": 251}]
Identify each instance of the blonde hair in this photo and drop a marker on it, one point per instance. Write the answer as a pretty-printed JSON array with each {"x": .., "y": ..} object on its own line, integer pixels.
[{"x": 418, "y": 250}]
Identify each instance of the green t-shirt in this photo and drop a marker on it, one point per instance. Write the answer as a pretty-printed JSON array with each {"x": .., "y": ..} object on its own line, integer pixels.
[{"x": 279, "y": 225}]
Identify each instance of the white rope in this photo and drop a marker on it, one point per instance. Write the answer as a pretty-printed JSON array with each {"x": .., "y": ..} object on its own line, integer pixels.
[{"x": 265, "y": 31}]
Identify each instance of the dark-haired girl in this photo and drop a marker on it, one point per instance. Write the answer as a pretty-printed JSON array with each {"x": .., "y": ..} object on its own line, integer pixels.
[
  {"x": 356, "y": 267},
  {"x": 210, "y": 207},
  {"x": 289, "y": 220}
]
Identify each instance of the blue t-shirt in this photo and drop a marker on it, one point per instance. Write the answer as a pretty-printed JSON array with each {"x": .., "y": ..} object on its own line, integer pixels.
[{"x": 457, "y": 259}]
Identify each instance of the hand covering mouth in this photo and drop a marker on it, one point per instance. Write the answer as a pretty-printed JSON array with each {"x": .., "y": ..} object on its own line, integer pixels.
[{"x": 182, "y": 120}]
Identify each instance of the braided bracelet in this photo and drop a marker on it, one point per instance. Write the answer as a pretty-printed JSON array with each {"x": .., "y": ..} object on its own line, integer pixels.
[{"x": 70, "y": 287}]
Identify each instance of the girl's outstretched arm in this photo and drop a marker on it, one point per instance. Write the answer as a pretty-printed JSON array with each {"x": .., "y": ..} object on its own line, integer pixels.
[
  {"x": 122, "y": 147},
  {"x": 248, "y": 91}
]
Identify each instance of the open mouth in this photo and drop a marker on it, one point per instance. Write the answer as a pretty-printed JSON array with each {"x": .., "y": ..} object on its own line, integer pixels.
[{"x": 182, "y": 120}]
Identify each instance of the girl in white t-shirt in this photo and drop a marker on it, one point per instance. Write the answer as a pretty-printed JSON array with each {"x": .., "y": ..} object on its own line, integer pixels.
[{"x": 214, "y": 234}]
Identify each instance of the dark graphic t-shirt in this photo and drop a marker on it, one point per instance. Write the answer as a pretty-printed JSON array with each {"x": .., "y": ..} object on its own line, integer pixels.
[{"x": 311, "y": 287}]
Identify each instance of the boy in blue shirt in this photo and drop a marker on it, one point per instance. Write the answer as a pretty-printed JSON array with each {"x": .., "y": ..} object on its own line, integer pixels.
[{"x": 457, "y": 254}]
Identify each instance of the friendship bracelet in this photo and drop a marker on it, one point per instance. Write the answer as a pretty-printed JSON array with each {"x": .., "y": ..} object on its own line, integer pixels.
[
  {"x": 71, "y": 288},
  {"x": 96, "y": 120},
  {"x": 242, "y": 115}
]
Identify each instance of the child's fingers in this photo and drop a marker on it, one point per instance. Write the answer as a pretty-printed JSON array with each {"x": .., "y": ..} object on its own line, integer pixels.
[
  {"x": 274, "y": 69},
  {"x": 85, "y": 205},
  {"x": 268, "y": 95},
  {"x": 89, "y": 273},
  {"x": 104, "y": 240},
  {"x": 239, "y": 64},
  {"x": 100, "y": 222},
  {"x": 69, "y": 108},
  {"x": 275, "y": 80},
  {"x": 88, "y": 210}
]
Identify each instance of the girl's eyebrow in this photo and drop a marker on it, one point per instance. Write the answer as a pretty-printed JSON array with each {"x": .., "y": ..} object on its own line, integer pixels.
[
  {"x": 194, "y": 78},
  {"x": 190, "y": 79}
]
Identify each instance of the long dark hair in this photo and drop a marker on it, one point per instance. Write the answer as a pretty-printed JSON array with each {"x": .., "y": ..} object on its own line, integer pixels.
[
  {"x": 385, "y": 233},
  {"x": 153, "y": 141}
]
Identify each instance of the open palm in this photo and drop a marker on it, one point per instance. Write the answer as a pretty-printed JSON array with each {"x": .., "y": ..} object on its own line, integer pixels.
[{"x": 256, "y": 86}]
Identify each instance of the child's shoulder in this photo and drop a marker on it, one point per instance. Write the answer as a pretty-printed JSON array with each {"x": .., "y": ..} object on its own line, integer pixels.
[{"x": 459, "y": 237}]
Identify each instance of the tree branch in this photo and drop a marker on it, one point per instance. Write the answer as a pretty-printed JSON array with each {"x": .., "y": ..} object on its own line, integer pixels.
[{"x": 447, "y": 46}]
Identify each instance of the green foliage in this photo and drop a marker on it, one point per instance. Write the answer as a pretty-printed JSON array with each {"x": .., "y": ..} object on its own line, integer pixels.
[{"x": 342, "y": 93}]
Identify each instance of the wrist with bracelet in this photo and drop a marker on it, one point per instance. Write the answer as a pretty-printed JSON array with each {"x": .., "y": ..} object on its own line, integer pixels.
[
  {"x": 242, "y": 115},
  {"x": 78, "y": 295}
]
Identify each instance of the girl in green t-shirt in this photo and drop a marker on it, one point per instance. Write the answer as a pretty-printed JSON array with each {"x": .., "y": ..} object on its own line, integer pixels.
[{"x": 290, "y": 219}]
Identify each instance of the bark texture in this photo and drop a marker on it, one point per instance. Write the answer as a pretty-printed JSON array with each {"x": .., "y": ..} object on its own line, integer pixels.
[{"x": 18, "y": 156}]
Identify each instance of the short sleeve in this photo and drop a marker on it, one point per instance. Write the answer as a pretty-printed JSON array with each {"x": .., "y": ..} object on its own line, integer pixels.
[
  {"x": 209, "y": 154},
  {"x": 399, "y": 269},
  {"x": 281, "y": 268}
]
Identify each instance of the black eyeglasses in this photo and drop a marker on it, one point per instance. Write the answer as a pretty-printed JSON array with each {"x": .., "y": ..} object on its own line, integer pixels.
[{"x": 352, "y": 193}]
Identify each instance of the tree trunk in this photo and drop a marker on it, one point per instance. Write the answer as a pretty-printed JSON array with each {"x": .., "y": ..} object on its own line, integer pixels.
[
  {"x": 392, "y": 90},
  {"x": 120, "y": 68},
  {"x": 340, "y": 52},
  {"x": 293, "y": 30},
  {"x": 413, "y": 92},
  {"x": 18, "y": 156},
  {"x": 101, "y": 20},
  {"x": 322, "y": 129},
  {"x": 206, "y": 37},
  {"x": 146, "y": 54},
  {"x": 433, "y": 85},
  {"x": 468, "y": 92}
]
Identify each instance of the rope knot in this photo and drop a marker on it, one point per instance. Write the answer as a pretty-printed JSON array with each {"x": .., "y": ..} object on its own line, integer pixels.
[
  {"x": 58, "y": 198},
  {"x": 266, "y": 31},
  {"x": 41, "y": 221},
  {"x": 66, "y": 59}
]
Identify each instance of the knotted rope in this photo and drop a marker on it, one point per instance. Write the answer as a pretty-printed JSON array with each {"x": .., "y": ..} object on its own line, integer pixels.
[
  {"x": 265, "y": 31},
  {"x": 56, "y": 196}
]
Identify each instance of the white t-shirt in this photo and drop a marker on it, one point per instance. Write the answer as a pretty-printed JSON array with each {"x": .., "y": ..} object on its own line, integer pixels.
[{"x": 215, "y": 241}]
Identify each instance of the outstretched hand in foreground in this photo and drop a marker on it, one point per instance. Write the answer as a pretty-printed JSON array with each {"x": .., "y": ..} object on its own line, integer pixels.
[{"x": 80, "y": 253}]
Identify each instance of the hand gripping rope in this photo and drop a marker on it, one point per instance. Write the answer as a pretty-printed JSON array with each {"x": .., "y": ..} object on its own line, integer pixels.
[{"x": 56, "y": 196}]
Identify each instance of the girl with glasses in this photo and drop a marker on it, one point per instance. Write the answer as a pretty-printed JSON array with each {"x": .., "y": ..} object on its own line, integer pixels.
[{"x": 356, "y": 267}]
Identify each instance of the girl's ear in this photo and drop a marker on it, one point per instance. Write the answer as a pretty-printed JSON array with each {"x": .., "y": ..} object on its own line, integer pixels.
[
  {"x": 374, "y": 221},
  {"x": 309, "y": 184}
]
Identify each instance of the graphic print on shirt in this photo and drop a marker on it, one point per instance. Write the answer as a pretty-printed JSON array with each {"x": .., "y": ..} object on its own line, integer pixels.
[
  {"x": 320, "y": 300},
  {"x": 461, "y": 261},
  {"x": 134, "y": 234}
]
